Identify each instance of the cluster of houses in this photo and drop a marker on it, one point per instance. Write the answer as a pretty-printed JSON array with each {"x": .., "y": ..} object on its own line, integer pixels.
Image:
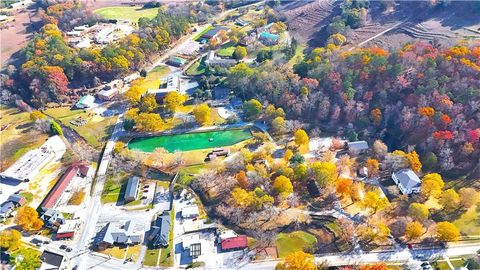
[
  {"x": 53, "y": 218},
  {"x": 85, "y": 36}
]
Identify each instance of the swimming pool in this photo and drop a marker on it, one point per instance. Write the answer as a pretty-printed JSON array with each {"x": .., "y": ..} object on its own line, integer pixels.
[{"x": 190, "y": 141}]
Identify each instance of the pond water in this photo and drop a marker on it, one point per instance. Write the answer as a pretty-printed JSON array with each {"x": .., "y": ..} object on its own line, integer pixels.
[{"x": 190, "y": 141}]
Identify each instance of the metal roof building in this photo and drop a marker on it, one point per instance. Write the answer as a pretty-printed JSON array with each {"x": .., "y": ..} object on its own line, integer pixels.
[{"x": 132, "y": 189}]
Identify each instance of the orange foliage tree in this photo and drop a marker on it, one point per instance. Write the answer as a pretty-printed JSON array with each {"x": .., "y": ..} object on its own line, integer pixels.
[
  {"x": 426, "y": 111},
  {"x": 376, "y": 116}
]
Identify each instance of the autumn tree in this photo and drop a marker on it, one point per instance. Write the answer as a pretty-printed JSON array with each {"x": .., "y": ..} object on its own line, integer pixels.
[
  {"x": 300, "y": 171},
  {"x": 282, "y": 185},
  {"x": 241, "y": 198},
  {"x": 337, "y": 39},
  {"x": 468, "y": 197},
  {"x": 242, "y": 179},
  {"x": 449, "y": 200},
  {"x": 414, "y": 161},
  {"x": 278, "y": 125},
  {"x": 376, "y": 116},
  {"x": 374, "y": 231},
  {"x": 10, "y": 239},
  {"x": 301, "y": 137},
  {"x": 325, "y": 173},
  {"x": 374, "y": 201},
  {"x": 344, "y": 187},
  {"x": 240, "y": 52},
  {"x": 135, "y": 92},
  {"x": 446, "y": 232},
  {"x": 432, "y": 184},
  {"x": 418, "y": 211},
  {"x": 30, "y": 259},
  {"x": 148, "y": 103},
  {"x": 202, "y": 114},
  {"x": 252, "y": 109},
  {"x": 380, "y": 150},
  {"x": 414, "y": 230},
  {"x": 298, "y": 260},
  {"x": 28, "y": 219},
  {"x": 372, "y": 167},
  {"x": 174, "y": 100},
  {"x": 375, "y": 266},
  {"x": 148, "y": 122},
  {"x": 287, "y": 155}
]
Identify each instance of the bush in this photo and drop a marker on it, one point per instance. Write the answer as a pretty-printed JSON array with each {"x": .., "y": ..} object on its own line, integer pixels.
[
  {"x": 195, "y": 265},
  {"x": 77, "y": 197}
]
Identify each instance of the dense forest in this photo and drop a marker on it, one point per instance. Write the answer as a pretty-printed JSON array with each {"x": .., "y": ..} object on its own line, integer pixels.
[{"x": 418, "y": 97}]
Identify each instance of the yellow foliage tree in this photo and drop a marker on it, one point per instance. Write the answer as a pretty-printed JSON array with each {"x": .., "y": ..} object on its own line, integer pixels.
[
  {"x": 374, "y": 201},
  {"x": 414, "y": 230},
  {"x": 173, "y": 100},
  {"x": 28, "y": 219},
  {"x": 432, "y": 184},
  {"x": 202, "y": 114},
  {"x": 298, "y": 260},
  {"x": 449, "y": 199},
  {"x": 282, "y": 185},
  {"x": 10, "y": 239},
  {"x": 372, "y": 167},
  {"x": 414, "y": 161},
  {"x": 325, "y": 173},
  {"x": 36, "y": 115},
  {"x": 241, "y": 198},
  {"x": 301, "y": 138},
  {"x": 418, "y": 211},
  {"x": 447, "y": 232}
]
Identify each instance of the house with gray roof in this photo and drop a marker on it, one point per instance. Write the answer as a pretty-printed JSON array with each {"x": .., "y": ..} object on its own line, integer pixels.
[
  {"x": 118, "y": 234},
  {"x": 407, "y": 181},
  {"x": 357, "y": 147},
  {"x": 131, "y": 192},
  {"x": 52, "y": 218},
  {"x": 7, "y": 207},
  {"x": 160, "y": 231}
]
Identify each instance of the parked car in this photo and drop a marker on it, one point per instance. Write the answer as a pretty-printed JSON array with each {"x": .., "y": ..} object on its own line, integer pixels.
[{"x": 63, "y": 247}]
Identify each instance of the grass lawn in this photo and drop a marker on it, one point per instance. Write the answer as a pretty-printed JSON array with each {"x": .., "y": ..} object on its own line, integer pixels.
[
  {"x": 197, "y": 68},
  {"x": 115, "y": 252},
  {"x": 468, "y": 222},
  {"x": 126, "y": 13},
  {"x": 133, "y": 252},
  {"x": 152, "y": 81},
  {"x": 112, "y": 190},
  {"x": 151, "y": 256},
  {"x": 226, "y": 50},
  {"x": 166, "y": 255},
  {"x": 95, "y": 132},
  {"x": 210, "y": 27},
  {"x": 295, "y": 241},
  {"x": 186, "y": 174},
  {"x": 18, "y": 137}
]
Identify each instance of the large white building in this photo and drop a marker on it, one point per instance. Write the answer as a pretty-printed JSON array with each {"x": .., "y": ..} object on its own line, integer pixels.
[{"x": 30, "y": 164}]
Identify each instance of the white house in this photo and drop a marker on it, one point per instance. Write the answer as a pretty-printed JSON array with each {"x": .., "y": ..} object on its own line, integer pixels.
[{"x": 407, "y": 181}]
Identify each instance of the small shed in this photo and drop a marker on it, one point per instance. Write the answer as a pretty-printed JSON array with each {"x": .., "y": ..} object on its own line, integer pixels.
[
  {"x": 131, "y": 191},
  {"x": 357, "y": 147},
  {"x": 235, "y": 243},
  {"x": 190, "y": 212}
]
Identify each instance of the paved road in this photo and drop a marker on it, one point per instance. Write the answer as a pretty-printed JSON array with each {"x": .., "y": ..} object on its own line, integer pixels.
[
  {"x": 94, "y": 206},
  {"x": 401, "y": 256}
]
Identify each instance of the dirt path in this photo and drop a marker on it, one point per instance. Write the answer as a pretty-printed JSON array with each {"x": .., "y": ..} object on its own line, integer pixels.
[{"x": 379, "y": 34}]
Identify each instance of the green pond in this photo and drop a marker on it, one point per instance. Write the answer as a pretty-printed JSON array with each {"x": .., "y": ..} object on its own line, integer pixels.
[{"x": 190, "y": 141}]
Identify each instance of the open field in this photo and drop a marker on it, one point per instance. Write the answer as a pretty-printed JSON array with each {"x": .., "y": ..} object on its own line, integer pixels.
[
  {"x": 295, "y": 241},
  {"x": 115, "y": 252},
  {"x": 126, "y": 13},
  {"x": 468, "y": 222},
  {"x": 113, "y": 188},
  {"x": 95, "y": 132},
  {"x": 197, "y": 68},
  {"x": 152, "y": 81},
  {"x": 226, "y": 50},
  {"x": 18, "y": 137},
  {"x": 14, "y": 37}
]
